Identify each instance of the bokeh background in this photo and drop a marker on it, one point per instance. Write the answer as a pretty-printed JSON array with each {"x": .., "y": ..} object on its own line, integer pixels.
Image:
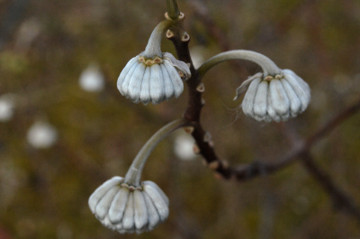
[{"x": 60, "y": 138}]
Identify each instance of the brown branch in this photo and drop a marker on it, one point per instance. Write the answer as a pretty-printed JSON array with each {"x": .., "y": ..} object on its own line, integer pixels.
[
  {"x": 195, "y": 104},
  {"x": 340, "y": 199},
  {"x": 300, "y": 149},
  {"x": 332, "y": 124},
  {"x": 206, "y": 149},
  {"x": 257, "y": 168}
]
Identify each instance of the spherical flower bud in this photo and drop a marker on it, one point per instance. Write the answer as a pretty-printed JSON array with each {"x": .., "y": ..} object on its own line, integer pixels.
[
  {"x": 274, "y": 98},
  {"x": 42, "y": 135},
  {"x": 126, "y": 208},
  {"x": 92, "y": 79},
  {"x": 153, "y": 76},
  {"x": 153, "y": 79}
]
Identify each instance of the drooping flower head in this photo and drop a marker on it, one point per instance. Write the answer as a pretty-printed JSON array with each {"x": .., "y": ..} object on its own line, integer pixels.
[
  {"x": 153, "y": 79},
  {"x": 128, "y": 205},
  {"x": 272, "y": 95},
  {"x": 153, "y": 75},
  {"x": 126, "y": 208},
  {"x": 275, "y": 98}
]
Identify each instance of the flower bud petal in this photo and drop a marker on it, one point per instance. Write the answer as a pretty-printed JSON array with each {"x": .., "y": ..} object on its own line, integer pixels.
[
  {"x": 125, "y": 83},
  {"x": 102, "y": 190},
  {"x": 141, "y": 214},
  {"x": 158, "y": 189},
  {"x": 260, "y": 103},
  {"x": 125, "y": 72},
  {"x": 271, "y": 111},
  {"x": 145, "y": 87},
  {"x": 248, "y": 102},
  {"x": 279, "y": 98},
  {"x": 118, "y": 205},
  {"x": 135, "y": 82},
  {"x": 153, "y": 214},
  {"x": 168, "y": 85},
  {"x": 157, "y": 84},
  {"x": 102, "y": 208},
  {"x": 242, "y": 88},
  {"x": 295, "y": 103},
  {"x": 128, "y": 219},
  {"x": 157, "y": 197},
  {"x": 276, "y": 97},
  {"x": 179, "y": 65},
  {"x": 175, "y": 79},
  {"x": 300, "y": 87},
  {"x": 129, "y": 209}
]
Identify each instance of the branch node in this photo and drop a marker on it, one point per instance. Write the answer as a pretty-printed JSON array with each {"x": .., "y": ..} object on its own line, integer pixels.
[
  {"x": 185, "y": 37},
  {"x": 196, "y": 149},
  {"x": 200, "y": 88},
  {"x": 179, "y": 18},
  {"x": 214, "y": 165},
  {"x": 189, "y": 130},
  {"x": 169, "y": 34}
]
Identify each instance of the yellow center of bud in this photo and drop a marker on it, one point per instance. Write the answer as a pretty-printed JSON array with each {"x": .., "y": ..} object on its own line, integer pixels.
[
  {"x": 270, "y": 78},
  {"x": 150, "y": 61},
  {"x": 131, "y": 188}
]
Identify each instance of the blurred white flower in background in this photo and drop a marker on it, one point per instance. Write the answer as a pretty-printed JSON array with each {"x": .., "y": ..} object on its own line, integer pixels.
[
  {"x": 42, "y": 135},
  {"x": 184, "y": 146},
  {"x": 92, "y": 79},
  {"x": 7, "y": 103},
  {"x": 29, "y": 30}
]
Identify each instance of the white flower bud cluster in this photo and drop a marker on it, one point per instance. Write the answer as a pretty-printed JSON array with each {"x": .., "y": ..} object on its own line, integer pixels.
[
  {"x": 153, "y": 79},
  {"x": 127, "y": 209},
  {"x": 275, "y": 98}
]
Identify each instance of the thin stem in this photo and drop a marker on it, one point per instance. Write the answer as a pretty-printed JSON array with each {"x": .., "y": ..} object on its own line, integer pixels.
[
  {"x": 340, "y": 198},
  {"x": 173, "y": 9},
  {"x": 153, "y": 47},
  {"x": 134, "y": 173},
  {"x": 267, "y": 65}
]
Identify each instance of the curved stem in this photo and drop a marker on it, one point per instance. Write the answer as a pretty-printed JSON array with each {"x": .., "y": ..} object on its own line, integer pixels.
[
  {"x": 173, "y": 9},
  {"x": 134, "y": 173},
  {"x": 153, "y": 47},
  {"x": 267, "y": 65}
]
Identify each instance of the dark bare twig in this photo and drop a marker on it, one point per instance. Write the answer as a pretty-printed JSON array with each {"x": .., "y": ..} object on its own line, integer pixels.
[
  {"x": 195, "y": 105},
  {"x": 206, "y": 149},
  {"x": 340, "y": 199},
  {"x": 299, "y": 151},
  {"x": 336, "y": 121}
]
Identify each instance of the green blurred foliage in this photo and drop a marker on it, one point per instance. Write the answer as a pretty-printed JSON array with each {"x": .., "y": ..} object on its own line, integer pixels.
[{"x": 44, "y": 192}]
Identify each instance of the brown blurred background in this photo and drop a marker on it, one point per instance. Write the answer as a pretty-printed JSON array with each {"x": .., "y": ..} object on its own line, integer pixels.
[{"x": 87, "y": 136}]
